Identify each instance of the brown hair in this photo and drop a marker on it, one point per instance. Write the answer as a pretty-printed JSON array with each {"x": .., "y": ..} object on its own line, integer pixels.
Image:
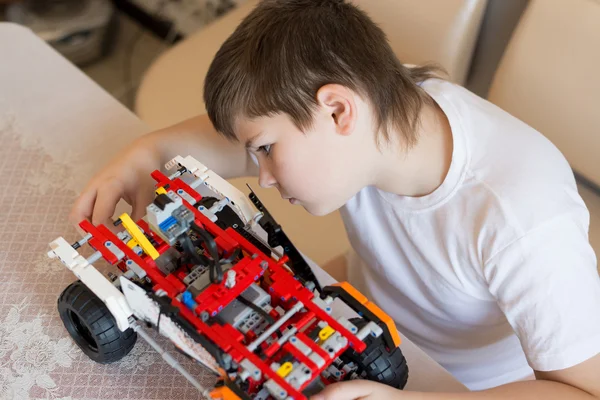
[{"x": 285, "y": 50}]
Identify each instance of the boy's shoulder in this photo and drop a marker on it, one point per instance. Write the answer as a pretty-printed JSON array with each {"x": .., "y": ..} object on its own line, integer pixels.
[{"x": 523, "y": 170}]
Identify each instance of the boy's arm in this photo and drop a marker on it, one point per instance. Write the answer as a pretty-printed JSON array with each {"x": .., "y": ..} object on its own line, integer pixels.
[
  {"x": 579, "y": 382},
  {"x": 197, "y": 137}
]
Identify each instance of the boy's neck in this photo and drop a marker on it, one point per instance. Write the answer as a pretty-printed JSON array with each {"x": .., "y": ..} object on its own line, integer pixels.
[{"x": 423, "y": 168}]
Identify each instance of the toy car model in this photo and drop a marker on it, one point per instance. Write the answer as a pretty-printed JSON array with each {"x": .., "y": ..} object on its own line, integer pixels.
[{"x": 212, "y": 271}]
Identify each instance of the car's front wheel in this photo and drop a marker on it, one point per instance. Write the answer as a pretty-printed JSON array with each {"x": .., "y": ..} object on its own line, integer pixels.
[{"x": 92, "y": 326}]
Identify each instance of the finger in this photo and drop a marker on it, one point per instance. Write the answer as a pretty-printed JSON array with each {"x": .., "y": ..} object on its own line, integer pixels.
[
  {"x": 106, "y": 203},
  {"x": 348, "y": 390},
  {"x": 83, "y": 207},
  {"x": 142, "y": 199}
]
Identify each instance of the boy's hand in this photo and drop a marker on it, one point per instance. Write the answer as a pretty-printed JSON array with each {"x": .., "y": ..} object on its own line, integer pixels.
[
  {"x": 126, "y": 177},
  {"x": 358, "y": 389}
]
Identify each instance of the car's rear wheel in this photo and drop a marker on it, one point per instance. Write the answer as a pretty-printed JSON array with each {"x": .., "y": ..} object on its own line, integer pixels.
[{"x": 377, "y": 362}]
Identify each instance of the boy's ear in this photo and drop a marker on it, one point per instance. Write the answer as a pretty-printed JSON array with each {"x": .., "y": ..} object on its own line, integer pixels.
[{"x": 338, "y": 102}]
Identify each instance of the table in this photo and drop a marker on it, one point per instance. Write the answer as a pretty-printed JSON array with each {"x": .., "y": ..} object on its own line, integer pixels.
[{"x": 57, "y": 127}]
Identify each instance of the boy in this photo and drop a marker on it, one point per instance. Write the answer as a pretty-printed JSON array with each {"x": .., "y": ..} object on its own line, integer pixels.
[{"x": 467, "y": 223}]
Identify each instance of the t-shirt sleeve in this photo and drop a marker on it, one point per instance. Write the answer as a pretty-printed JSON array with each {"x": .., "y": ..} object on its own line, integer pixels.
[{"x": 547, "y": 285}]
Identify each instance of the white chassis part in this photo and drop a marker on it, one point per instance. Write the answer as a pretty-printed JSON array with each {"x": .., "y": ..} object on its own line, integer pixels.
[
  {"x": 148, "y": 310},
  {"x": 94, "y": 280},
  {"x": 218, "y": 185}
]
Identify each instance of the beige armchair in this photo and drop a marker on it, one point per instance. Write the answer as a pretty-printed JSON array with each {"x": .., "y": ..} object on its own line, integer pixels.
[
  {"x": 419, "y": 31},
  {"x": 549, "y": 77}
]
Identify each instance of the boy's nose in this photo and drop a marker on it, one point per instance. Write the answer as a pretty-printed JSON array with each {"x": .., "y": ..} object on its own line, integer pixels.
[{"x": 265, "y": 178}]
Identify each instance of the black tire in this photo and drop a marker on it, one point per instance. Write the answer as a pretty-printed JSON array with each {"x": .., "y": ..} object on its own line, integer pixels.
[
  {"x": 92, "y": 326},
  {"x": 377, "y": 362}
]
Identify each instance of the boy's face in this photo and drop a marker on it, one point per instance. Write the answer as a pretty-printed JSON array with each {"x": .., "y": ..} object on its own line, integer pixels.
[{"x": 319, "y": 169}]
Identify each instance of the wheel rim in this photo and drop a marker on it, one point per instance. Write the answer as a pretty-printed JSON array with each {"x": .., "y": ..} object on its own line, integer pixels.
[{"x": 82, "y": 331}]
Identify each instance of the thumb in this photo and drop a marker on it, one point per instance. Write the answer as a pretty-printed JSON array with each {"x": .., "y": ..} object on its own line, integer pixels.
[{"x": 348, "y": 390}]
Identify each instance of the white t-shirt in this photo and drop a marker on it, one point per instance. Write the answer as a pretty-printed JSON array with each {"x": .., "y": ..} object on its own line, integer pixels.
[{"x": 492, "y": 274}]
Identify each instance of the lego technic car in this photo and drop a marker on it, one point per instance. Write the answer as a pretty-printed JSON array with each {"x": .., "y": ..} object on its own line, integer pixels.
[{"x": 211, "y": 270}]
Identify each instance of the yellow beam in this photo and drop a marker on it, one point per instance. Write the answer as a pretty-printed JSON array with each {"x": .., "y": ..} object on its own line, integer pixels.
[{"x": 138, "y": 236}]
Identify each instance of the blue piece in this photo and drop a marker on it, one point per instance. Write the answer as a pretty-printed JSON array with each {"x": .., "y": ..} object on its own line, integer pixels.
[
  {"x": 166, "y": 224},
  {"x": 188, "y": 300}
]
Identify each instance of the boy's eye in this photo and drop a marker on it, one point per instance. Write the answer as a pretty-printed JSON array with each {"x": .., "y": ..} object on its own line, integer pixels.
[{"x": 265, "y": 149}]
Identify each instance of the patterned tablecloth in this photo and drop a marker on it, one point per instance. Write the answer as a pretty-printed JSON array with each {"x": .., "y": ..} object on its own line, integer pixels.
[{"x": 56, "y": 129}]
